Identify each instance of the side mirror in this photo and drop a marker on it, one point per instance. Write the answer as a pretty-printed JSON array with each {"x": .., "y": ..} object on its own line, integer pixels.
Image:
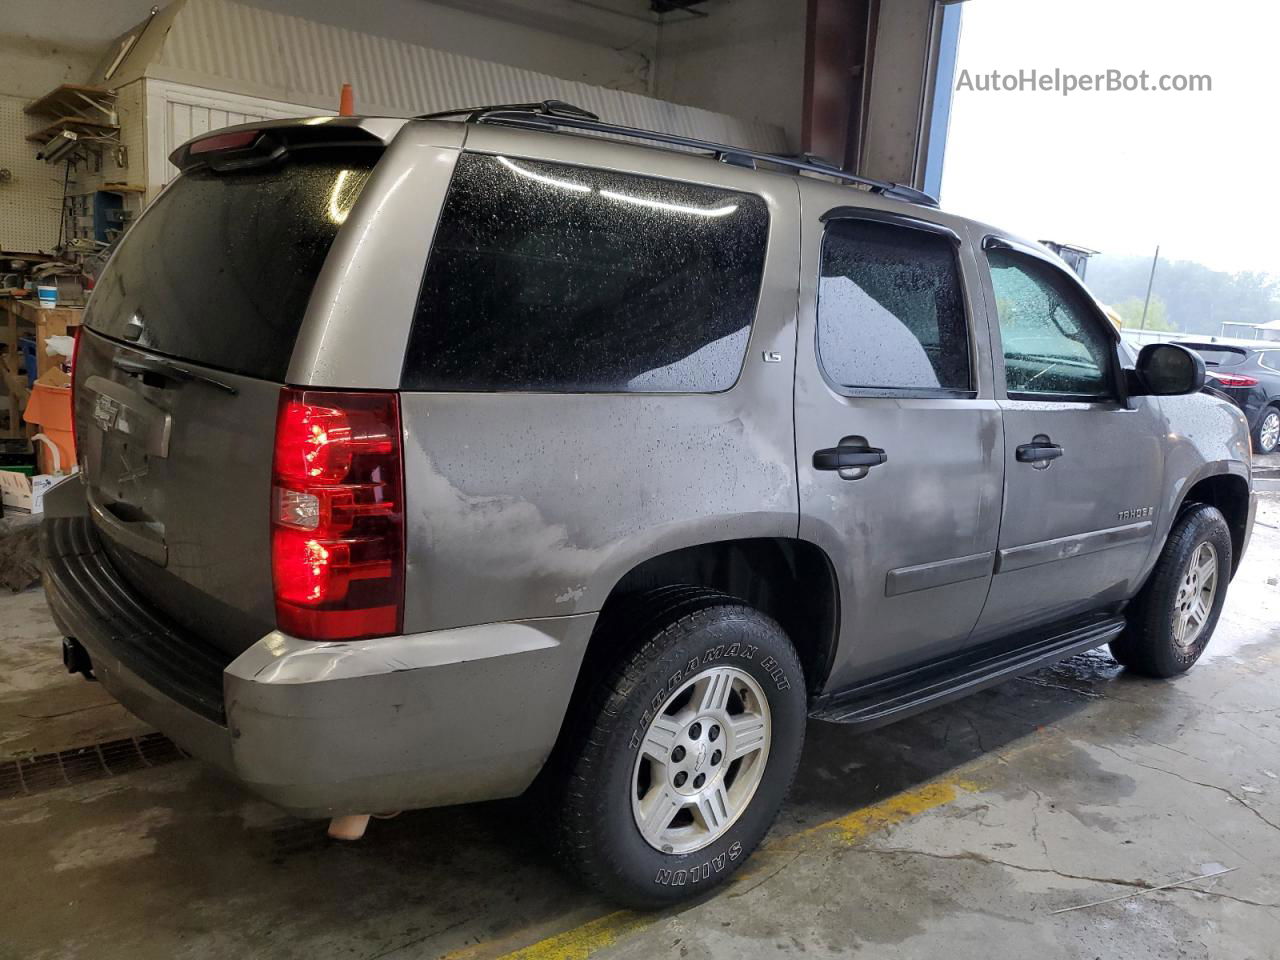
[{"x": 1166, "y": 370}]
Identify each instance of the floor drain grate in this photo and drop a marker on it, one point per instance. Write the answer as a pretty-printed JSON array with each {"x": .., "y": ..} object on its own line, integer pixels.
[{"x": 49, "y": 771}]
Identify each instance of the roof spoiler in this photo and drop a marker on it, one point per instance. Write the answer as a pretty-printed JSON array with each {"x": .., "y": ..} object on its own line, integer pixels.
[{"x": 265, "y": 141}]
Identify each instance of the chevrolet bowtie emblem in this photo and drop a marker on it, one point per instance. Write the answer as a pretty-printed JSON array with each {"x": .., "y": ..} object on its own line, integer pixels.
[{"x": 105, "y": 411}]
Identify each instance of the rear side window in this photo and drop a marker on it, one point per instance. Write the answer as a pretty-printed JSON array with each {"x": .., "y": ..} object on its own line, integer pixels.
[
  {"x": 220, "y": 269},
  {"x": 890, "y": 309},
  {"x": 547, "y": 277}
]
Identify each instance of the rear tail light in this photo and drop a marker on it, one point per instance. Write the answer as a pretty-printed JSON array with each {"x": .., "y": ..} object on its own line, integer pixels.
[
  {"x": 237, "y": 140},
  {"x": 75, "y": 354},
  {"x": 337, "y": 515},
  {"x": 1234, "y": 379}
]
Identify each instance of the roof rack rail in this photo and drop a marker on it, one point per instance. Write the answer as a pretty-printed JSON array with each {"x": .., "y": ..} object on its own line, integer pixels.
[
  {"x": 556, "y": 114},
  {"x": 546, "y": 108}
]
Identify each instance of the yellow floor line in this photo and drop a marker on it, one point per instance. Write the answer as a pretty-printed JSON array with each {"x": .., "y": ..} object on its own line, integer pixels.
[
  {"x": 854, "y": 826},
  {"x": 589, "y": 938},
  {"x": 581, "y": 942}
]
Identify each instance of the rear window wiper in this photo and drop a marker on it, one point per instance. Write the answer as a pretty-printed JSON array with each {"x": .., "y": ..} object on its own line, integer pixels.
[{"x": 167, "y": 368}]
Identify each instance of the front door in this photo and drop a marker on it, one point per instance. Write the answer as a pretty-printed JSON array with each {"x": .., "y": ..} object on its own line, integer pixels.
[
  {"x": 898, "y": 435},
  {"x": 1083, "y": 465}
]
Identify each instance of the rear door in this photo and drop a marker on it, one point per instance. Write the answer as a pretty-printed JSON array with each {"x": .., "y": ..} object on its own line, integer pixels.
[
  {"x": 1083, "y": 465},
  {"x": 893, "y": 379},
  {"x": 188, "y": 337}
]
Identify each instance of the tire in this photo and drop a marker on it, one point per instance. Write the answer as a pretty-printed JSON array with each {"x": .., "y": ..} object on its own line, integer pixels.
[
  {"x": 685, "y": 647},
  {"x": 1164, "y": 636},
  {"x": 1266, "y": 436}
]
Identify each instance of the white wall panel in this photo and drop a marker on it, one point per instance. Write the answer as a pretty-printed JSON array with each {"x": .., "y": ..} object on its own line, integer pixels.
[{"x": 177, "y": 112}]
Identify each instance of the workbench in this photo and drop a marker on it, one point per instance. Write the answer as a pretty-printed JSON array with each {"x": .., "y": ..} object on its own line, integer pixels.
[{"x": 19, "y": 316}]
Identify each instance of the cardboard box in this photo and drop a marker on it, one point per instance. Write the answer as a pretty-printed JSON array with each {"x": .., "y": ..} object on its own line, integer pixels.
[{"x": 21, "y": 492}]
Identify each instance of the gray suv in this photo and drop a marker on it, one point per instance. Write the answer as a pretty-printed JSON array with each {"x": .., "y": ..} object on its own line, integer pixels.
[{"x": 450, "y": 459}]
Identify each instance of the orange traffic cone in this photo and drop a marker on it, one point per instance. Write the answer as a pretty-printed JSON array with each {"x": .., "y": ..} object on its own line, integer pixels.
[{"x": 346, "y": 101}]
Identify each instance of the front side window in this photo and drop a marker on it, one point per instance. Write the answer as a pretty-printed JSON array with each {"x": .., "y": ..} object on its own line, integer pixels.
[
  {"x": 890, "y": 309},
  {"x": 1053, "y": 346},
  {"x": 549, "y": 277}
]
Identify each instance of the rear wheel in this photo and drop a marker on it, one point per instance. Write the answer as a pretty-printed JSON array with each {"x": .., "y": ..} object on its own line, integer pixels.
[
  {"x": 1172, "y": 619},
  {"x": 1266, "y": 436},
  {"x": 681, "y": 760}
]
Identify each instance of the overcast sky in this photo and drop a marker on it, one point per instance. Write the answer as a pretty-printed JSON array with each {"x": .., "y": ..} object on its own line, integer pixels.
[{"x": 1121, "y": 172}]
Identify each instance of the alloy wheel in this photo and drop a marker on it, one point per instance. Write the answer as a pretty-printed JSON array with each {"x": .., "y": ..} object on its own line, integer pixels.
[
  {"x": 701, "y": 760},
  {"x": 1195, "y": 596},
  {"x": 1269, "y": 432}
]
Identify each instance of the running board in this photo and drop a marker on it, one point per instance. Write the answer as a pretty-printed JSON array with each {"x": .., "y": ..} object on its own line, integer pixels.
[{"x": 900, "y": 695}]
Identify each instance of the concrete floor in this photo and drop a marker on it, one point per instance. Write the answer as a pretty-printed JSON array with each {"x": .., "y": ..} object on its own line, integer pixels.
[{"x": 955, "y": 834}]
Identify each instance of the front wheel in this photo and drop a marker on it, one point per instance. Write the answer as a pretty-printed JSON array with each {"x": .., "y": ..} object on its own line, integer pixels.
[
  {"x": 1172, "y": 619},
  {"x": 682, "y": 760},
  {"x": 1266, "y": 437}
]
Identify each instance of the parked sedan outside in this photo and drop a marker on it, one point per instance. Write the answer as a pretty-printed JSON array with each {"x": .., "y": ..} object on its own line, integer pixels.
[{"x": 1250, "y": 376}]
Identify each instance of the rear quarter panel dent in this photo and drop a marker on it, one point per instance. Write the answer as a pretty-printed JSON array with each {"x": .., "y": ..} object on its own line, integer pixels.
[{"x": 524, "y": 505}]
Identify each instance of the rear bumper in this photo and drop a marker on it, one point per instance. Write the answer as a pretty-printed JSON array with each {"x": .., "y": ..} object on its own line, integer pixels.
[{"x": 323, "y": 729}]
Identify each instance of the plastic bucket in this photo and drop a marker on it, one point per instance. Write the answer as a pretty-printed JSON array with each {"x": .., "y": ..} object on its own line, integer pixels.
[{"x": 48, "y": 295}]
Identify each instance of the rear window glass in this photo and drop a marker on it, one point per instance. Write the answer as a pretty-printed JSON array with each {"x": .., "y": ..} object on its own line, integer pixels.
[
  {"x": 220, "y": 269},
  {"x": 1220, "y": 357},
  {"x": 547, "y": 277}
]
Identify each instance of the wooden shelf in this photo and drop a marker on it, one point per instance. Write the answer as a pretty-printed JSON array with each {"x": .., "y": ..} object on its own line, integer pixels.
[
  {"x": 84, "y": 120},
  {"x": 47, "y": 322},
  {"x": 15, "y": 392},
  {"x": 74, "y": 99},
  {"x": 16, "y": 387},
  {"x": 78, "y": 125},
  {"x": 51, "y": 320}
]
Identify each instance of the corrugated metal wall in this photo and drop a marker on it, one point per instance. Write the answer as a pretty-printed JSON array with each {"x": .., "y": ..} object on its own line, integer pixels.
[{"x": 266, "y": 54}]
